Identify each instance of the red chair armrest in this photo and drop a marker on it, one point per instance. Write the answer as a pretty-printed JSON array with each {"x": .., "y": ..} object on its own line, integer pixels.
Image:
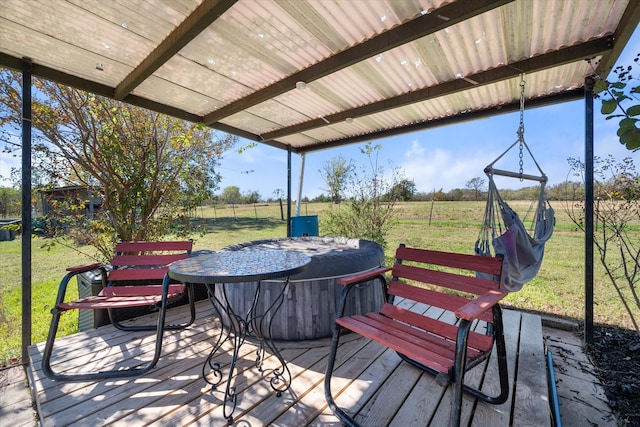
[
  {"x": 473, "y": 309},
  {"x": 364, "y": 276},
  {"x": 84, "y": 268}
]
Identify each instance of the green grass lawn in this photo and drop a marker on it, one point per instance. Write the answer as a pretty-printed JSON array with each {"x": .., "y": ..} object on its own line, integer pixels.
[{"x": 558, "y": 289}]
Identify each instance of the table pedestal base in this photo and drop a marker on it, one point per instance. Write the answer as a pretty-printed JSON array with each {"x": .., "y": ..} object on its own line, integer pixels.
[{"x": 236, "y": 328}]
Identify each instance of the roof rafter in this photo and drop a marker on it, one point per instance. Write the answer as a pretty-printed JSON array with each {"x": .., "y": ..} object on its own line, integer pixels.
[
  {"x": 194, "y": 24},
  {"x": 61, "y": 77},
  {"x": 537, "y": 63},
  {"x": 422, "y": 26},
  {"x": 571, "y": 95},
  {"x": 622, "y": 35}
]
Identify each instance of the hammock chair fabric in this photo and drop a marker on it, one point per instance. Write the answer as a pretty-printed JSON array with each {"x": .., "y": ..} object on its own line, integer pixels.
[{"x": 505, "y": 231}]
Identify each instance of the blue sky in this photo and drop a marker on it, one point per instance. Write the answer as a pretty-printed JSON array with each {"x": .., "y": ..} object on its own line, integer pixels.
[{"x": 442, "y": 158}]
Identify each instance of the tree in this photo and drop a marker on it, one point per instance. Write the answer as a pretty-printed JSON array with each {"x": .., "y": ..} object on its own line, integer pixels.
[
  {"x": 368, "y": 214},
  {"x": 322, "y": 198},
  {"x": 620, "y": 100},
  {"x": 252, "y": 197},
  {"x": 454, "y": 195},
  {"x": 279, "y": 194},
  {"x": 9, "y": 202},
  {"x": 439, "y": 195},
  {"x": 336, "y": 172},
  {"x": 231, "y": 195},
  {"x": 616, "y": 215},
  {"x": 477, "y": 186},
  {"x": 567, "y": 190},
  {"x": 149, "y": 169},
  {"x": 403, "y": 190}
]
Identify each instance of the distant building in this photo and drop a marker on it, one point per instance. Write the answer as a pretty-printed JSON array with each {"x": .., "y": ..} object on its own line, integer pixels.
[{"x": 57, "y": 201}]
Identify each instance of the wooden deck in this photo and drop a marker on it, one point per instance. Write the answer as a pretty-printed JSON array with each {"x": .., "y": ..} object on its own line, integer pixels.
[{"x": 369, "y": 380}]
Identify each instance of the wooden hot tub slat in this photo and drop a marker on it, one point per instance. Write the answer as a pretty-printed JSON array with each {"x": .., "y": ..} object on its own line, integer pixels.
[{"x": 310, "y": 302}]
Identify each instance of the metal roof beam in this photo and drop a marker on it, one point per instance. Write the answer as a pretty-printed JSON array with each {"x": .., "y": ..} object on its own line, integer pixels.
[
  {"x": 194, "y": 24},
  {"x": 422, "y": 26},
  {"x": 627, "y": 25},
  {"x": 567, "y": 96},
  {"x": 66, "y": 79},
  {"x": 97, "y": 88},
  {"x": 563, "y": 56}
]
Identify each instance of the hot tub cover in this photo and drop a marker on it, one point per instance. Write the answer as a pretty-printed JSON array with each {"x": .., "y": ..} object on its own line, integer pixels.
[{"x": 330, "y": 256}]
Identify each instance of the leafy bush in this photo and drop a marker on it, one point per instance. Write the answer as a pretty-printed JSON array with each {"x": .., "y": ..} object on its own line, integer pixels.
[
  {"x": 620, "y": 101},
  {"x": 369, "y": 211}
]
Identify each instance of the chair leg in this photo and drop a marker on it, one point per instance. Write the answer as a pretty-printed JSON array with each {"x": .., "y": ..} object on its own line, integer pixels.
[
  {"x": 171, "y": 327},
  {"x": 503, "y": 370},
  {"x": 457, "y": 375},
  {"x": 48, "y": 347},
  {"x": 458, "y": 372},
  {"x": 344, "y": 417},
  {"x": 95, "y": 376}
]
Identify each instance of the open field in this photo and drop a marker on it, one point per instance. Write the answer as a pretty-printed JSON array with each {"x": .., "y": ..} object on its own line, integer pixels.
[{"x": 558, "y": 289}]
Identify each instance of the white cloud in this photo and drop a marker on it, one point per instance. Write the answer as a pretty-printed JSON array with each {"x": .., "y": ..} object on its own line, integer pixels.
[
  {"x": 433, "y": 169},
  {"x": 415, "y": 150},
  {"x": 259, "y": 154}
]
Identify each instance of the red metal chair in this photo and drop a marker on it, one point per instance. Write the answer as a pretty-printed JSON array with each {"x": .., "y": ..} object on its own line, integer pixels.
[
  {"x": 444, "y": 349},
  {"x": 138, "y": 279}
]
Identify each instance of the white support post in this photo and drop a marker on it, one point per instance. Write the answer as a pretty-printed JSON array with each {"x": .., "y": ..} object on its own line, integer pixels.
[{"x": 300, "y": 180}]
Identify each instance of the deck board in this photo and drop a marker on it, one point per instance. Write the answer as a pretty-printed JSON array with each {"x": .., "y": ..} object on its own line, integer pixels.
[
  {"x": 531, "y": 395},
  {"x": 369, "y": 380}
]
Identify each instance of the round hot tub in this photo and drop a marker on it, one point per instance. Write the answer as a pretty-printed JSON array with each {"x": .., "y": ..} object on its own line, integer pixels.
[{"x": 311, "y": 299}]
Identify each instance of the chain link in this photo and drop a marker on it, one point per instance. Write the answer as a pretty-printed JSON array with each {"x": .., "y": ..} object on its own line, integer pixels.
[{"x": 521, "y": 126}]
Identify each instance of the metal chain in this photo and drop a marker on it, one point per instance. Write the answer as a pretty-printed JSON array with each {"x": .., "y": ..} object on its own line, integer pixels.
[{"x": 521, "y": 127}]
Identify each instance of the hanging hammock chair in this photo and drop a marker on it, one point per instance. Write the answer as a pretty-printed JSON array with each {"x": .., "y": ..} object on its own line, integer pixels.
[{"x": 521, "y": 246}]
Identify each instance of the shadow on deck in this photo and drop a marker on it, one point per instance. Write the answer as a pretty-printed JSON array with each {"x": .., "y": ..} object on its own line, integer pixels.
[{"x": 369, "y": 379}]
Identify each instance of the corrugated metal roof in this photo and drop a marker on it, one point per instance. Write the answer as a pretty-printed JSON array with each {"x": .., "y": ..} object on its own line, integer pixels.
[{"x": 307, "y": 74}]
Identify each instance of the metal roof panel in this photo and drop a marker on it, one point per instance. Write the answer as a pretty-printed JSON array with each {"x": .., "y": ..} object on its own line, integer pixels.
[{"x": 364, "y": 70}]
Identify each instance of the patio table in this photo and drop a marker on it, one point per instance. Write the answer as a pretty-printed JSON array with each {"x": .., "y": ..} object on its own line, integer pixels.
[{"x": 217, "y": 269}]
